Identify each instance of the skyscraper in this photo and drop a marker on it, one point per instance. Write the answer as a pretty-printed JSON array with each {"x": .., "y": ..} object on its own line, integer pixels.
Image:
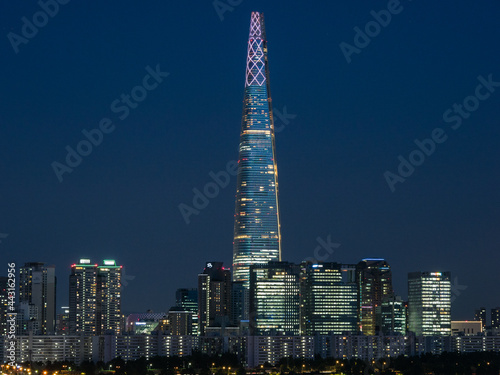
[
  {"x": 187, "y": 300},
  {"x": 374, "y": 284},
  {"x": 257, "y": 238},
  {"x": 37, "y": 296},
  {"x": 82, "y": 298},
  {"x": 95, "y": 298},
  {"x": 429, "y": 303},
  {"x": 108, "y": 301},
  {"x": 275, "y": 299},
  {"x": 214, "y": 296},
  {"x": 329, "y": 299}
]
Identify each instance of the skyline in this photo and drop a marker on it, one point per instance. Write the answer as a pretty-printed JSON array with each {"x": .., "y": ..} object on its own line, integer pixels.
[{"x": 351, "y": 122}]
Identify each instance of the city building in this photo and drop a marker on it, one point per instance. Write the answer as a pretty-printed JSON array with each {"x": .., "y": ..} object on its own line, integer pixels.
[
  {"x": 37, "y": 294},
  {"x": 271, "y": 349},
  {"x": 274, "y": 299},
  {"x": 214, "y": 296},
  {"x": 83, "y": 298},
  {"x": 145, "y": 323},
  {"x": 466, "y": 327},
  {"x": 3, "y": 305},
  {"x": 393, "y": 316},
  {"x": 495, "y": 318},
  {"x": 187, "y": 300},
  {"x": 429, "y": 303},
  {"x": 374, "y": 278},
  {"x": 329, "y": 299},
  {"x": 108, "y": 301},
  {"x": 480, "y": 315},
  {"x": 180, "y": 322},
  {"x": 257, "y": 237},
  {"x": 62, "y": 321},
  {"x": 95, "y": 298}
]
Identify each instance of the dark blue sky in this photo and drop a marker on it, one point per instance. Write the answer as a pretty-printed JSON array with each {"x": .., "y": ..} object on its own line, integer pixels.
[{"x": 352, "y": 122}]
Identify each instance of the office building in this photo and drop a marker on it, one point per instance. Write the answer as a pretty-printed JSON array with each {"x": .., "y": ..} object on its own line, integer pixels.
[
  {"x": 429, "y": 303},
  {"x": 187, "y": 300},
  {"x": 374, "y": 278},
  {"x": 393, "y": 316},
  {"x": 466, "y": 327},
  {"x": 329, "y": 299},
  {"x": 214, "y": 296},
  {"x": 274, "y": 299},
  {"x": 257, "y": 221}
]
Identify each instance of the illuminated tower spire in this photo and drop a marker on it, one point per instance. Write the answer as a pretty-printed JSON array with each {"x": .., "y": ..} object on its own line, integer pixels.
[{"x": 257, "y": 238}]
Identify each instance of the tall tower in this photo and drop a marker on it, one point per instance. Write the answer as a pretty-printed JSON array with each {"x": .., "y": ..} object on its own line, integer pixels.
[
  {"x": 374, "y": 284},
  {"x": 429, "y": 303},
  {"x": 37, "y": 293},
  {"x": 257, "y": 238},
  {"x": 108, "y": 302},
  {"x": 83, "y": 298}
]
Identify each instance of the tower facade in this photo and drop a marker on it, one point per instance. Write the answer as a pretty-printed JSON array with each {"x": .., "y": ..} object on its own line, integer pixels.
[
  {"x": 108, "y": 300},
  {"x": 257, "y": 238},
  {"x": 374, "y": 284},
  {"x": 214, "y": 296},
  {"x": 429, "y": 303},
  {"x": 83, "y": 298},
  {"x": 37, "y": 296},
  {"x": 329, "y": 299}
]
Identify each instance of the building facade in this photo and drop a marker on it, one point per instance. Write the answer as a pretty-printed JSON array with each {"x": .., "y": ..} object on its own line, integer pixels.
[
  {"x": 429, "y": 303},
  {"x": 214, "y": 296},
  {"x": 329, "y": 299},
  {"x": 257, "y": 238},
  {"x": 374, "y": 284},
  {"x": 37, "y": 295},
  {"x": 275, "y": 299}
]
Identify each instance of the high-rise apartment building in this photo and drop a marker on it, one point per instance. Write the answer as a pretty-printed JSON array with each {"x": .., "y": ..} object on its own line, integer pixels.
[
  {"x": 257, "y": 237},
  {"x": 274, "y": 299},
  {"x": 83, "y": 298},
  {"x": 214, "y": 296},
  {"x": 4, "y": 300},
  {"x": 95, "y": 298},
  {"x": 108, "y": 301},
  {"x": 329, "y": 299},
  {"x": 495, "y": 317},
  {"x": 429, "y": 303},
  {"x": 480, "y": 316},
  {"x": 37, "y": 295},
  {"x": 374, "y": 278}
]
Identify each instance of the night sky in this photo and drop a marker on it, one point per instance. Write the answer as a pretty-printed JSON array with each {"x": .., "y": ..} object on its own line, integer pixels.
[{"x": 346, "y": 125}]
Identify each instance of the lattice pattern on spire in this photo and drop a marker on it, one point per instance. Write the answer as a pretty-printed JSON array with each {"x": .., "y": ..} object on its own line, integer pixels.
[
  {"x": 255, "y": 25},
  {"x": 256, "y": 74}
]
